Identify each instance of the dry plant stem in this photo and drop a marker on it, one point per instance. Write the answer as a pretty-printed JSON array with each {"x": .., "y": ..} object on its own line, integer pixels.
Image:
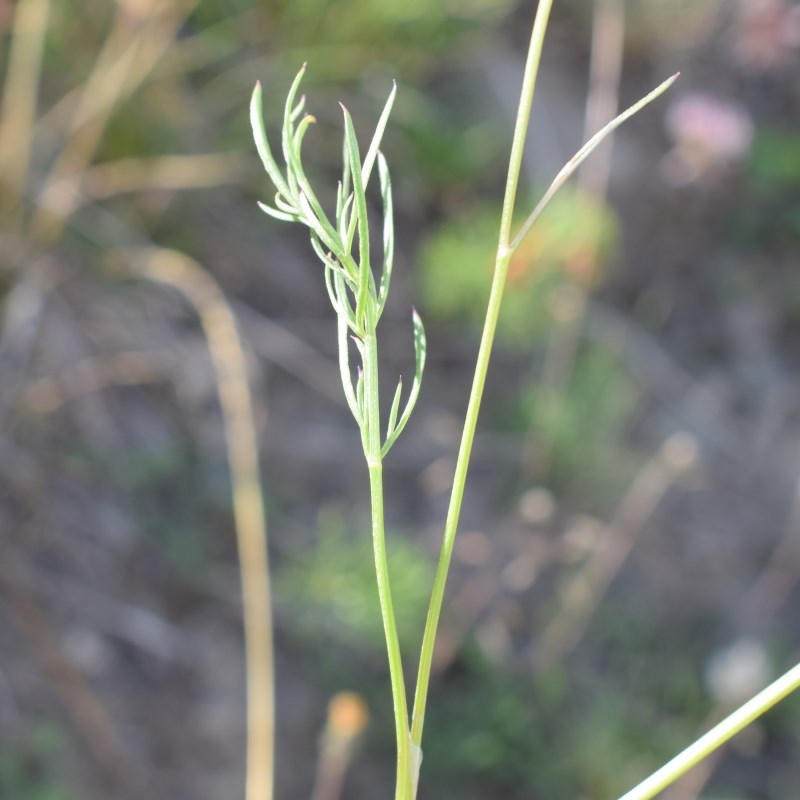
[
  {"x": 132, "y": 368},
  {"x": 716, "y": 737},
  {"x": 164, "y": 173},
  {"x": 18, "y": 110},
  {"x": 503, "y": 257},
  {"x": 227, "y": 353},
  {"x": 602, "y": 104},
  {"x": 123, "y": 63},
  {"x": 605, "y": 72}
]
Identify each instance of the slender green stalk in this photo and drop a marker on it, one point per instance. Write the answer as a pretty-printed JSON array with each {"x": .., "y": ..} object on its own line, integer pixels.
[
  {"x": 716, "y": 737},
  {"x": 502, "y": 259},
  {"x": 372, "y": 451},
  {"x": 358, "y": 300}
]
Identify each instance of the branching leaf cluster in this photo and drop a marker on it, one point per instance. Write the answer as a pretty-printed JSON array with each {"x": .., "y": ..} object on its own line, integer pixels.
[{"x": 357, "y": 297}]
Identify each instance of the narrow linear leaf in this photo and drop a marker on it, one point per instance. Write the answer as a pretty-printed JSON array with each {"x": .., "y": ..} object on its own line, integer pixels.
[
  {"x": 344, "y": 234},
  {"x": 388, "y": 231},
  {"x": 288, "y": 119},
  {"x": 346, "y": 169},
  {"x": 372, "y": 152},
  {"x": 360, "y": 402},
  {"x": 350, "y": 394},
  {"x": 317, "y": 212},
  {"x": 281, "y": 215},
  {"x": 329, "y": 273},
  {"x": 287, "y": 208},
  {"x": 343, "y": 304},
  {"x": 262, "y": 143},
  {"x": 321, "y": 228},
  {"x": 579, "y": 157},
  {"x": 298, "y": 109},
  {"x": 420, "y": 352},
  {"x": 325, "y": 256},
  {"x": 393, "y": 411},
  {"x": 360, "y": 200},
  {"x": 339, "y": 207},
  {"x": 300, "y": 132}
]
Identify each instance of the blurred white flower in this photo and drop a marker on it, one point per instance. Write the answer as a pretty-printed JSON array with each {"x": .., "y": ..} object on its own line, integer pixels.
[{"x": 737, "y": 672}]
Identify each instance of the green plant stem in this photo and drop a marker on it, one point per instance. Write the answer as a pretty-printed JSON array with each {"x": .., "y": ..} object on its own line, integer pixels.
[
  {"x": 717, "y": 736},
  {"x": 372, "y": 451},
  {"x": 502, "y": 260}
]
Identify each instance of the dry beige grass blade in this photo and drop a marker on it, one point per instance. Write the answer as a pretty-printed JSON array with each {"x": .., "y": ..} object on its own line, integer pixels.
[
  {"x": 132, "y": 368},
  {"x": 227, "y": 353},
  {"x": 123, "y": 63},
  {"x": 602, "y": 103},
  {"x": 163, "y": 173},
  {"x": 18, "y": 109}
]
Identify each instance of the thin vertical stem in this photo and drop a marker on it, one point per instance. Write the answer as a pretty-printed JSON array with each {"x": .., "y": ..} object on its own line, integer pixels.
[
  {"x": 502, "y": 259},
  {"x": 372, "y": 451},
  {"x": 20, "y": 94}
]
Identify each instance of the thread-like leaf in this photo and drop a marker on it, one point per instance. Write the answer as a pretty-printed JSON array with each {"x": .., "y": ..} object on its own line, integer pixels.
[
  {"x": 346, "y": 169},
  {"x": 586, "y": 150},
  {"x": 420, "y": 353},
  {"x": 394, "y": 409},
  {"x": 287, "y": 208},
  {"x": 360, "y": 402},
  {"x": 273, "y": 212},
  {"x": 308, "y": 197},
  {"x": 300, "y": 131},
  {"x": 321, "y": 228},
  {"x": 344, "y": 370},
  {"x": 343, "y": 223},
  {"x": 360, "y": 200},
  {"x": 262, "y": 143},
  {"x": 388, "y": 231},
  {"x": 369, "y": 161},
  {"x": 343, "y": 304},
  {"x": 372, "y": 152},
  {"x": 298, "y": 109},
  {"x": 288, "y": 115},
  {"x": 325, "y": 256}
]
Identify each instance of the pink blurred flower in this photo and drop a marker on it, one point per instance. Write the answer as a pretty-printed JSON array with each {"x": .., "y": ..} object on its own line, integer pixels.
[
  {"x": 709, "y": 134},
  {"x": 766, "y": 33}
]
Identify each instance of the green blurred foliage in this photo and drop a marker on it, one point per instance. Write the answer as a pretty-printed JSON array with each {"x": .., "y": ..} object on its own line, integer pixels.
[
  {"x": 329, "y": 591},
  {"x": 775, "y": 160},
  {"x": 572, "y": 240},
  {"x": 580, "y": 430},
  {"x": 545, "y": 736},
  {"x": 27, "y": 767}
]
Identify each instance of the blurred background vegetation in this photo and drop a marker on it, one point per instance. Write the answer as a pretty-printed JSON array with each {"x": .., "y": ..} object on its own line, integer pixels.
[{"x": 630, "y": 548}]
